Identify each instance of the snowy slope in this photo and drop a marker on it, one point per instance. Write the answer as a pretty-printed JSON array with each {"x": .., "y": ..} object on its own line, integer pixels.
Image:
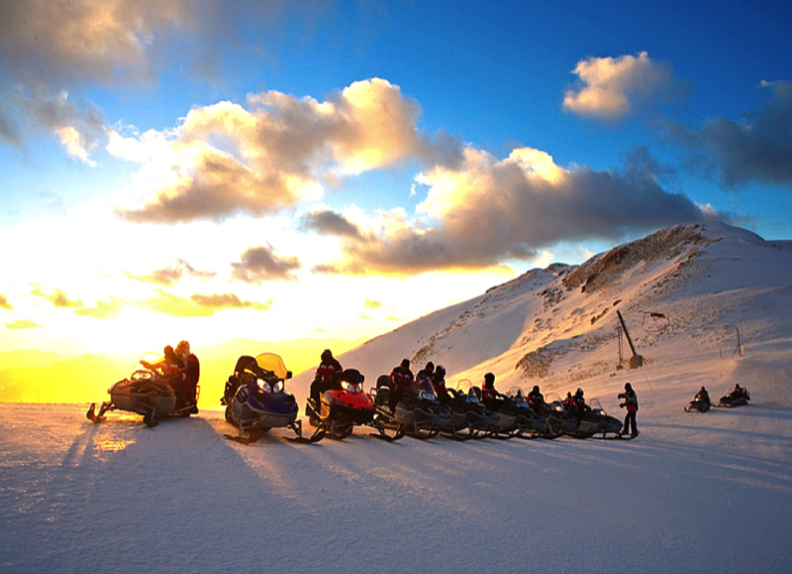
[{"x": 693, "y": 493}]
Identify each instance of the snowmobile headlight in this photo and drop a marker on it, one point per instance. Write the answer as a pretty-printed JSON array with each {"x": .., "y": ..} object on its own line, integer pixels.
[
  {"x": 427, "y": 396},
  {"x": 351, "y": 387},
  {"x": 277, "y": 387},
  {"x": 262, "y": 384},
  {"x": 559, "y": 408},
  {"x": 599, "y": 412}
]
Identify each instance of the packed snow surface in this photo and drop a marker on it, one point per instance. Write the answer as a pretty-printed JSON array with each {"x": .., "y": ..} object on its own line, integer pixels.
[{"x": 694, "y": 492}]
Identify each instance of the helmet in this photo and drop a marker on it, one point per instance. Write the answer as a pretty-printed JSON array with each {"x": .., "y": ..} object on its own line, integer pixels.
[
  {"x": 536, "y": 388},
  {"x": 327, "y": 354},
  {"x": 489, "y": 378},
  {"x": 405, "y": 363},
  {"x": 703, "y": 389},
  {"x": 430, "y": 366},
  {"x": 579, "y": 392},
  {"x": 440, "y": 369},
  {"x": 627, "y": 387}
]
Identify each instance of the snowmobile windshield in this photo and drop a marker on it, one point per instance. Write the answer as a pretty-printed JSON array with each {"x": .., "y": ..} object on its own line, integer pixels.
[
  {"x": 517, "y": 396},
  {"x": 273, "y": 363},
  {"x": 426, "y": 390},
  {"x": 596, "y": 407}
]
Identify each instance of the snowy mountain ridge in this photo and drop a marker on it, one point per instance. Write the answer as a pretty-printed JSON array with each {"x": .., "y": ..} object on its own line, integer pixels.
[{"x": 702, "y": 289}]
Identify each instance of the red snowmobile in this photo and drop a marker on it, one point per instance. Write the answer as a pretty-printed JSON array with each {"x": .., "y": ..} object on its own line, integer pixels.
[{"x": 343, "y": 408}]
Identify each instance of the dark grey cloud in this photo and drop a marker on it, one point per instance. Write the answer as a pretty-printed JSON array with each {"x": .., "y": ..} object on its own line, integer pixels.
[
  {"x": 260, "y": 264},
  {"x": 755, "y": 149},
  {"x": 327, "y": 222},
  {"x": 505, "y": 213}
]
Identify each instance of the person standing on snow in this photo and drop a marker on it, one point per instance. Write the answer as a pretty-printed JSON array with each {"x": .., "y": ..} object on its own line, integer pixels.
[
  {"x": 326, "y": 377},
  {"x": 401, "y": 380},
  {"x": 631, "y": 404}
]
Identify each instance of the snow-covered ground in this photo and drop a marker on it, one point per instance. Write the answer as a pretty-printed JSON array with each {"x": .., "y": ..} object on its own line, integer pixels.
[{"x": 694, "y": 492}]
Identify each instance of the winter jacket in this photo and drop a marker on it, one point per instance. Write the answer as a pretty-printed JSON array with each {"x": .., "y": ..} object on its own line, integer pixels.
[
  {"x": 327, "y": 370},
  {"x": 401, "y": 380}
]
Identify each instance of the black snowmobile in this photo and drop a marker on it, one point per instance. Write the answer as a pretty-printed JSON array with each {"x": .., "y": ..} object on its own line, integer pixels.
[
  {"x": 151, "y": 391},
  {"x": 698, "y": 404},
  {"x": 343, "y": 408},
  {"x": 736, "y": 398},
  {"x": 558, "y": 421},
  {"x": 596, "y": 423},
  {"x": 518, "y": 419},
  {"x": 482, "y": 422},
  {"x": 419, "y": 413}
]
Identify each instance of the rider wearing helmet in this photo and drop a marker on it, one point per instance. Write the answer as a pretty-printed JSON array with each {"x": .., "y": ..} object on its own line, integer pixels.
[
  {"x": 401, "y": 380},
  {"x": 535, "y": 398},
  {"x": 491, "y": 398},
  {"x": 326, "y": 377},
  {"x": 438, "y": 381}
]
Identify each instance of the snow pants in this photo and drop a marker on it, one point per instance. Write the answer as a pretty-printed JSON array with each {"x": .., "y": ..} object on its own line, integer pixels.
[{"x": 628, "y": 421}]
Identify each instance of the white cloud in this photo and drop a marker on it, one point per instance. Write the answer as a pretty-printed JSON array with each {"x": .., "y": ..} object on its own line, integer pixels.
[{"x": 612, "y": 87}]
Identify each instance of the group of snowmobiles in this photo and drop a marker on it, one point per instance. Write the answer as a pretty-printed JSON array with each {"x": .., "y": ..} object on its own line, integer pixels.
[
  {"x": 701, "y": 402},
  {"x": 256, "y": 401}
]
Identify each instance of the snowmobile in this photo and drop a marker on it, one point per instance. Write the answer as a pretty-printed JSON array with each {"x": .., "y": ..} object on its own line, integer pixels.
[
  {"x": 341, "y": 409},
  {"x": 484, "y": 422},
  {"x": 558, "y": 421},
  {"x": 517, "y": 418},
  {"x": 419, "y": 413},
  {"x": 736, "y": 398},
  {"x": 698, "y": 404},
  {"x": 151, "y": 391},
  {"x": 256, "y": 400},
  {"x": 596, "y": 423}
]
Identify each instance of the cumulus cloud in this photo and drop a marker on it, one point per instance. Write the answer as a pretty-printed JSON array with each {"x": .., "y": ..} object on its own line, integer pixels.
[
  {"x": 198, "y": 305},
  {"x": 612, "y": 87},
  {"x": 22, "y": 324},
  {"x": 756, "y": 148},
  {"x": 225, "y": 159},
  {"x": 172, "y": 274},
  {"x": 4, "y": 304},
  {"x": 260, "y": 264},
  {"x": 57, "y": 297},
  {"x": 490, "y": 211},
  {"x": 102, "y": 42}
]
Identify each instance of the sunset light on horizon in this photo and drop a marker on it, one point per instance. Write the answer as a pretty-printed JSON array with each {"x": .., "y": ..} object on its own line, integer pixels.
[{"x": 277, "y": 171}]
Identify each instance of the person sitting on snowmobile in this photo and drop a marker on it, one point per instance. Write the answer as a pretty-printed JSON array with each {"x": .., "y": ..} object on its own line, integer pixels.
[
  {"x": 191, "y": 374},
  {"x": 401, "y": 380},
  {"x": 491, "y": 398},
  {"x": 738, "y": 392},
  {"x": 168, "y": 365},
  {"x": 631, "y": 403},
  {"x": 326, "y": 377},
  {"x": 438, "y": 381},
  {"x": 427, "y": 372},
  {"x": 536, "y": 398},
  {"x": 703, "y": 396},
  {"x": 576, "y": 405}
]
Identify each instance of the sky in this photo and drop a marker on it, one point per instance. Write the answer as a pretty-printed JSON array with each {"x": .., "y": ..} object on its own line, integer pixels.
[{"x": 210, "y": 170}]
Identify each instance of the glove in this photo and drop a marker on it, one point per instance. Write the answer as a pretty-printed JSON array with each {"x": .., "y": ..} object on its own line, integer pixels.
[{"x": 622, "y": 405}]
